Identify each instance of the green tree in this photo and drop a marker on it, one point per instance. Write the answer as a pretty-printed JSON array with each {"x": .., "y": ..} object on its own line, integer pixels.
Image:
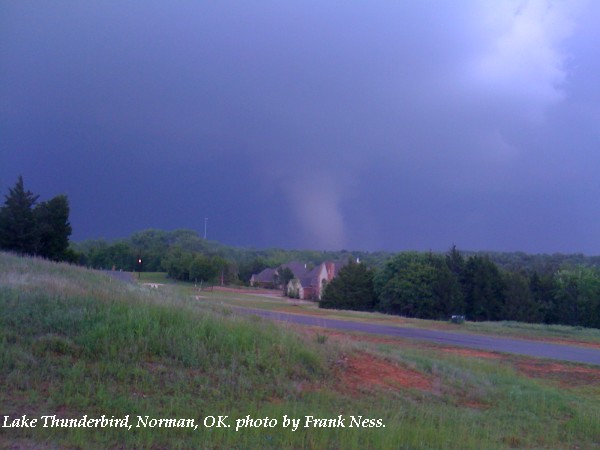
[
  {"x": 52, "y": 228},
  {"x": 231, "y": 273},
  {"x": 151, "y": 243},
  {"x": 447, "y": 289},
  {"x": 283, "y": 277},
  {"x": 589, "y": 297},
  {"x": 121, "y": 256},
  {"x": 484, "y": 289},
  {"x": 410, "y": 291},
  {"x": 421, "y": 285},
  {"x": 351, "y": 289},
  {"x": 201, "y": 269},
  {"x": 177, "y": 263},
  {"x": 392, "y": 267},
  {"x": 542, "y": 287},
  {"x": 96, "y": 254},
  {"x": 41, "y": 229},
  {"x": 248, "y": 268},
  {"x": 220, "y": 267},
  {"x": 520, "y": 303},
  {"x": 18, "y": 229},
  {"x": 187, "y": 240},
  {"x": 455, "y": 262},
  {"x": 577, "y": 297}
]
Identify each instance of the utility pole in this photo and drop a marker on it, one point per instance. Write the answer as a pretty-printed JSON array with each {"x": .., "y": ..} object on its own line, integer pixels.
[{"x": 205, "y": 222}]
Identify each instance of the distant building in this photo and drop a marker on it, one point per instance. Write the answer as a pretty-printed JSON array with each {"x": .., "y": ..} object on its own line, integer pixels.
[
  {"x": 308, "y": 283},
  {"x": 264, "y": 279}
]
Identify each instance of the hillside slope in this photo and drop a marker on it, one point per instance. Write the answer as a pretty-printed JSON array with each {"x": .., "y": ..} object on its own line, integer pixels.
[{"x": 76, "y": 342}]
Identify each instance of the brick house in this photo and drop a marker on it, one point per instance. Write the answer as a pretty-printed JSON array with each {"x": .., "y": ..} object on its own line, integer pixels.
[
  {"x": 311, "y": 284},
  {"x": 308, "y": 283}
]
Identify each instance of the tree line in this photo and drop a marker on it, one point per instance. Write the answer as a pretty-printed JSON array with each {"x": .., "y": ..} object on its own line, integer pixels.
[
  {"x": 553, "y": 289},
  {"x": 31, "y": 228},
  {"x": 182, "y": 254},
  {"x": 186, "y": 256},
  {"x": 434, "y": 286}
]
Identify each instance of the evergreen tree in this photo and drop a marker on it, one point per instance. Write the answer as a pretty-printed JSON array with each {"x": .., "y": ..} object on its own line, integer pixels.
[
  {"x": 31, "y": 229},
  {"x": 520, "y": 304},
  {"x": 455, "y": 262},
  {"x": 351, "y": 289},
  {"x": 53, "y": 228},
  {"x": 542, "y": 288},
  {"x": 18, "y": 230},
  {"x": 484, "y": 288},
  {"x": 447, "y": 289}
]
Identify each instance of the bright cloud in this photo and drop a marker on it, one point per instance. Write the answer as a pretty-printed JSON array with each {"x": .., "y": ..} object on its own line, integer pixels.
[{"x": 523, "y": 59}]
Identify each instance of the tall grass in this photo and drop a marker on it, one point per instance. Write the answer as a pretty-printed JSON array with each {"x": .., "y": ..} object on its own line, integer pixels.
[{"x": 102, "y": 345}]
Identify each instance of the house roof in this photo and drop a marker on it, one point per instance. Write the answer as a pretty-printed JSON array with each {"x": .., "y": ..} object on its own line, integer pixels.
[
  {"x": 298, "y": 269},
  {"x": 308, "y": 278},
  {"x": 266, "y": 276},
  {"x": 301, "y": 272}
]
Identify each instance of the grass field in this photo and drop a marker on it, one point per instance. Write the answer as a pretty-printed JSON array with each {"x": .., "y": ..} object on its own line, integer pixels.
[{"x": 76, "y": 343}]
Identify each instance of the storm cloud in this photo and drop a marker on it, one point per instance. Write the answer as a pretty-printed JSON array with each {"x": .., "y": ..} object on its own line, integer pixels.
[{"x": 326, "y": 125}]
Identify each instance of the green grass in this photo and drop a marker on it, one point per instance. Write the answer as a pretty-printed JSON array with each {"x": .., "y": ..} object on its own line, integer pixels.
[{"x": 75, "y": 342}]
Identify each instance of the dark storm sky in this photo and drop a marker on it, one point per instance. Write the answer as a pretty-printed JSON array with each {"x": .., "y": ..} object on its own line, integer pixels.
[{"x": 310, "y": 124}]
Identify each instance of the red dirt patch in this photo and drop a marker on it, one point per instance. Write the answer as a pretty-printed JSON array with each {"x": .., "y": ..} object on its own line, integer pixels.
[
  {"x": 565, "y": 374},
  {"x": 364, "y": 371}
]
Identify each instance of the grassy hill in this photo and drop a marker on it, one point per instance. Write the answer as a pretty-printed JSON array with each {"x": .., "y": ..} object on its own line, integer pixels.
[{"x": 79, "y": 345}]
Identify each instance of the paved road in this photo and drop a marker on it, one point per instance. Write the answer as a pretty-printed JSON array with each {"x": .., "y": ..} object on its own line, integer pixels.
[
  {"x": 123, "y": 276},
  {"x": 497, "y": 344}
]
